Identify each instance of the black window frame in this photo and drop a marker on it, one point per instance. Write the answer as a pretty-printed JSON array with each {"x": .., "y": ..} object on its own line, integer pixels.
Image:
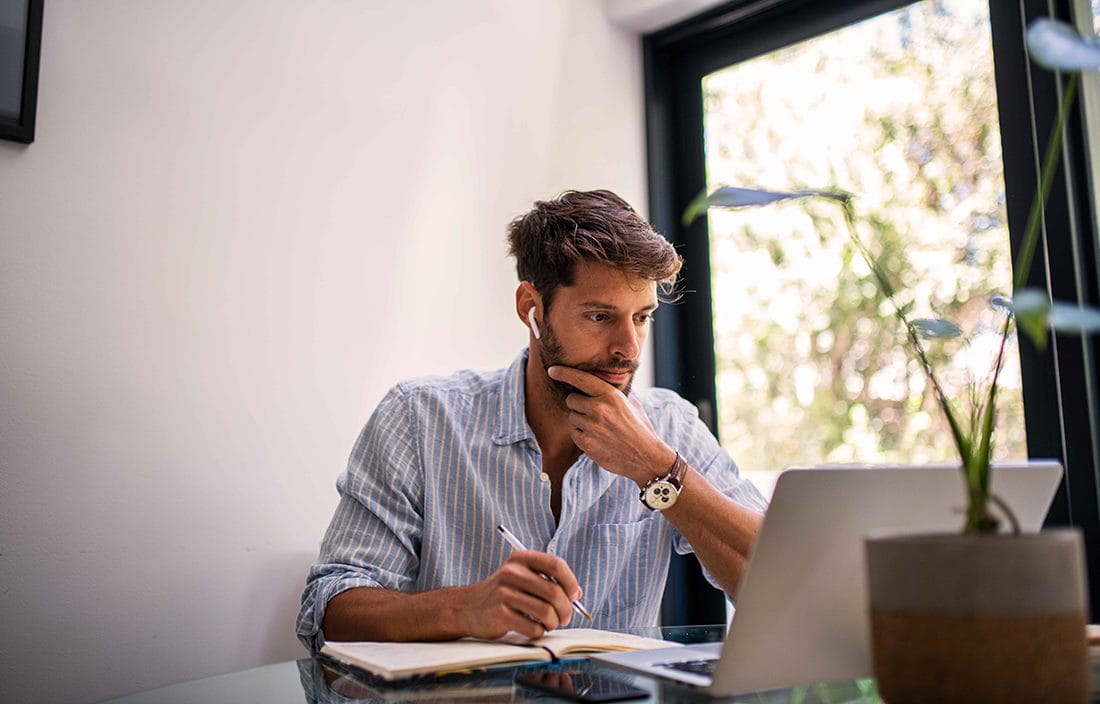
[{"x": 1059, "y": 385}]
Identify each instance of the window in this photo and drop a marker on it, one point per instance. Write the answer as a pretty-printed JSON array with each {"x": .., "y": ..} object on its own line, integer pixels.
[
  {"x": 900, "y": 110},
  {"x": 767, "y": 141}
]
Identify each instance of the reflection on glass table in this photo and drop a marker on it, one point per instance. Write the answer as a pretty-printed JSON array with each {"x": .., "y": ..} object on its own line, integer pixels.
[
  {"x": 581, "y": 684},
  {"x": 328, "y": 682},
  {"x": 322, "y": 681}
]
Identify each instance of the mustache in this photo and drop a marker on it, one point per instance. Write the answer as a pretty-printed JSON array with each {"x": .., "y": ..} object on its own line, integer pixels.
[{"x": 610, "y": 365}]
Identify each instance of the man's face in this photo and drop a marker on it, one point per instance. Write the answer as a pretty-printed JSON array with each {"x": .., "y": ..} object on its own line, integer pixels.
[{"x": 598, "y": 325}]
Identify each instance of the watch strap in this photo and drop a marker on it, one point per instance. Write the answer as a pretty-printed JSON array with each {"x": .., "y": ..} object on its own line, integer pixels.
[{"x": 676, "y": 474}]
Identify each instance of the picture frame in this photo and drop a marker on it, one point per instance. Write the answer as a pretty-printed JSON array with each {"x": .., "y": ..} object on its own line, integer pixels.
[{"x": 20, "y": 47}]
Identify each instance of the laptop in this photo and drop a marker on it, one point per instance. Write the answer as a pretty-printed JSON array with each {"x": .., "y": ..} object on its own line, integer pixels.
[{"x": 801, "y": 613}]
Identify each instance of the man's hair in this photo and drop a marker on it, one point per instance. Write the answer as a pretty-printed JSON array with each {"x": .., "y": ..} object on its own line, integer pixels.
[{"x": 588, "y": 226}]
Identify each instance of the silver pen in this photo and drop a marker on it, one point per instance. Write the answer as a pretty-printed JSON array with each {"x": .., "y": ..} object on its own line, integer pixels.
[{"x": 515, "y": 542}]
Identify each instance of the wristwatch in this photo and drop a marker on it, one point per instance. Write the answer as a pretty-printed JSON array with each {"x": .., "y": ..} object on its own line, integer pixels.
[{"x": 660, "y": 493}]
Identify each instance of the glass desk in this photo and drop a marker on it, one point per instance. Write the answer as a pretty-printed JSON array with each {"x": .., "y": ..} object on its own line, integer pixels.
[{"x": 321, "y": 681}]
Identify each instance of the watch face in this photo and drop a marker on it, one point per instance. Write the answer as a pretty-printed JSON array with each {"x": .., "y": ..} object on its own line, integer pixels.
[{"x": 661, "y": 495}]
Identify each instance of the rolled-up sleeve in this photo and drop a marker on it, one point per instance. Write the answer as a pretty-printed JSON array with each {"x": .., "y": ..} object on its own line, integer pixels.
[{"x": 374, "y": 537}]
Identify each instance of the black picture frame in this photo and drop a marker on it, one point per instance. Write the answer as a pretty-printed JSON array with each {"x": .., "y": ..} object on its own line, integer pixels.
[{"x": 20, "y": 47}]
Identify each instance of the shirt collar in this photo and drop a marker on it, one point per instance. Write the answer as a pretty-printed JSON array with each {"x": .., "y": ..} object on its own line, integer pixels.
[{"x": 512, "y": 424}]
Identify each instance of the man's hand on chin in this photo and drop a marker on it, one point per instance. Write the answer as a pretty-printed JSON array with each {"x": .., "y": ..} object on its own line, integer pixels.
[{"x": 612, "y": 429}]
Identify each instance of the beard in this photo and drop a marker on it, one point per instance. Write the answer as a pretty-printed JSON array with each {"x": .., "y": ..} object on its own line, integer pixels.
[{"x": 553, "y": 354}]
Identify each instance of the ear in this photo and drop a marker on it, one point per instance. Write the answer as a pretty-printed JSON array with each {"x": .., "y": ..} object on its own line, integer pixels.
[{"x": 529, "y": 307}]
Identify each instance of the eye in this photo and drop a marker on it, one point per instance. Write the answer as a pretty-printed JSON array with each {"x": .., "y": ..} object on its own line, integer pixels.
[
  {"x": 645, "y": 318},
  {"x": 598, "y": 317}
]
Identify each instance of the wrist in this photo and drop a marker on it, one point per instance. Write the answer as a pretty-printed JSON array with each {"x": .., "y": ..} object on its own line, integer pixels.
[
  {"x": 660, "y": 465},
  {"x": 454, "y": 618}
]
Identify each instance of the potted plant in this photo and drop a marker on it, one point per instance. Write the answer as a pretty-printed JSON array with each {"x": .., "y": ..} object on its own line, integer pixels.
[{"x": 979, "y": 615}]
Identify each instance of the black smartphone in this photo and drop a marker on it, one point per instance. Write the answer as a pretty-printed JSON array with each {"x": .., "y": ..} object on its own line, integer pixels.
[{"x": 581, "y": 685}]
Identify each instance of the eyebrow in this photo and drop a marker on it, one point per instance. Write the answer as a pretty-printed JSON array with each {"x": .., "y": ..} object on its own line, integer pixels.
[{"x": 608, "y": 306}]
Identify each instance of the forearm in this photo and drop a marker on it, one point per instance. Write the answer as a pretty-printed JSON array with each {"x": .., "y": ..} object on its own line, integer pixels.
[
  {"x": 377, "y": 614},
  {"x": 720, "y": 531}
]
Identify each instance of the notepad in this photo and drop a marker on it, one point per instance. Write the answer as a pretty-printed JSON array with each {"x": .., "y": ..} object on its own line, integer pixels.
[{"x": 394, "y": 661}]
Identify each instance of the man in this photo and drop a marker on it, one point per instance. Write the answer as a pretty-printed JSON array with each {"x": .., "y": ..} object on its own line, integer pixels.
[{"x": 599, "y": 480}]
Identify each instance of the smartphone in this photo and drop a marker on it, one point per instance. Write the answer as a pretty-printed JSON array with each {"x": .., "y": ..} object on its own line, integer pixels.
[{"x": 581, "y": 685}]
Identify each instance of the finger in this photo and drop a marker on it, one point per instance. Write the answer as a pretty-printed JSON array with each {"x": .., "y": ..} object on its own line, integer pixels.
[
  {"x": 522, "y": 576},
  {"x": 545, "y": 601},
  {"x": 545, "y": 613},
  {"x": 588, "y": 383},
  {"x": 578, "y": 421},
  {"x": 557, "y": 568},
  {"x": 537, "y": 585},
  {"x": 580, "y": 403},
  {"x": 579, "y": 439},
  {"x": 515, "y": 621},
  {"x": 564, "y": 682},
  {"x": 550, "y": 678}
]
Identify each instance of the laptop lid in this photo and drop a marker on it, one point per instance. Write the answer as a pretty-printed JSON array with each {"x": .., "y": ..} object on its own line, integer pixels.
[{"x": 802, "y": 614}]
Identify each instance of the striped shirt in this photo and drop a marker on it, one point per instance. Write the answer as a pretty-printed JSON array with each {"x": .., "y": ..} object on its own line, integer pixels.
[{"x": 442, "y": 461}]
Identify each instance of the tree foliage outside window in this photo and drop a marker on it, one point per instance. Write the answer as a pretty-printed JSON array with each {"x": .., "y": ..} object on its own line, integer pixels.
[{"x": 901, "y": 111}]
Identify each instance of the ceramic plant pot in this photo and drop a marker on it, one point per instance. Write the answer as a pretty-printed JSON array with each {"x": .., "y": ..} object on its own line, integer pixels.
[{"x": 993, "y": 618}]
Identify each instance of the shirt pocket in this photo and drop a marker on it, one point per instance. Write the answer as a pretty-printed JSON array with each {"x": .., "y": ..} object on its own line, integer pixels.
[{"x": 629, "y": 561}]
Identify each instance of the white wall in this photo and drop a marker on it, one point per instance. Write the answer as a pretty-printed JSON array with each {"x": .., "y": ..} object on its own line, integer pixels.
[
  {"x": 240, "y": 223},
  {"x": 644, "y": 16}
]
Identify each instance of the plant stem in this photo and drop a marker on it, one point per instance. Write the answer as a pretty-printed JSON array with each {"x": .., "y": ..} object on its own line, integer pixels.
[
  {"x": 975, "y": 458},
  {"x": 962, "y": 443},
  {"x": 1046, "y": 178},
  {"x": 978, "y": 517}
]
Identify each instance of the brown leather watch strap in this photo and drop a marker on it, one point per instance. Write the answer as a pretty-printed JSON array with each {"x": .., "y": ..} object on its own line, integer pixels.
[{"x": 676, "y": 474}]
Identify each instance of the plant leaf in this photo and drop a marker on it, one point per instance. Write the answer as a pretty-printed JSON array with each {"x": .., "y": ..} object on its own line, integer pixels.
[
  {"x": 1030, "y": 301},
  {"x": 978, "y": 517},
  {"x": 734, "y": 197},
  {"x": 934, "y": 329},
  {"x": 1059, "y": 47},
  {"x": 1022, "y": 262},
  {"x": 1069, "y": 317},
  {"x": 1031, "y": 307}
]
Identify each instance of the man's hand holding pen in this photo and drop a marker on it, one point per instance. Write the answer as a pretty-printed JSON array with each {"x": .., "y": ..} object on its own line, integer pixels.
[{"x": 517, "y": 597}]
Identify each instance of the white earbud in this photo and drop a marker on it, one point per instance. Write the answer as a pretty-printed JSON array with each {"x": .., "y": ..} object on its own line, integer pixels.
[{"x": 534, "y": 325}]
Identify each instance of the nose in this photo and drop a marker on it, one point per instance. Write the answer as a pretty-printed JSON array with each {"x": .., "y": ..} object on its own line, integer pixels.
[{"x": 627, "y": 342}]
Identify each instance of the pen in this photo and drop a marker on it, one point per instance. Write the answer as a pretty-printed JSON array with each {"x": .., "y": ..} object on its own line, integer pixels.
[{"x": 515, "y": 542}]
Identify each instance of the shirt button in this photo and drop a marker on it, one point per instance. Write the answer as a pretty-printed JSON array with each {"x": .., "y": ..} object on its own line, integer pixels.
[
  {"x": 552, "y": 544},
  {"x": 544, "y": 477}
]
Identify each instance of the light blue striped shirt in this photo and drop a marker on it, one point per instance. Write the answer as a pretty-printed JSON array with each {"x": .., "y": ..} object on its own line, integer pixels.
[{"x": 442, "y": 461}]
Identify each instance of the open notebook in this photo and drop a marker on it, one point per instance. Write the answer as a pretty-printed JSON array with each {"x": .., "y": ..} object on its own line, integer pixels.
[{"x": 392, "y": 661}]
